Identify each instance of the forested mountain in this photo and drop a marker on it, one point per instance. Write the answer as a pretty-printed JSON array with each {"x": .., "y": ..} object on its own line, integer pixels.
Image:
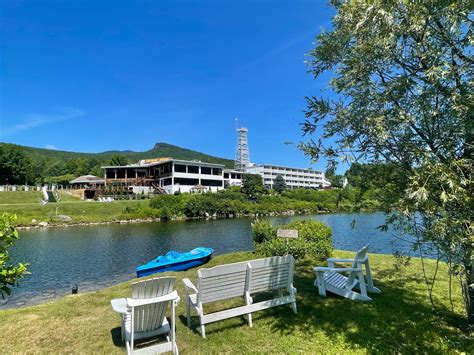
[{"x": 22, "y": 164}]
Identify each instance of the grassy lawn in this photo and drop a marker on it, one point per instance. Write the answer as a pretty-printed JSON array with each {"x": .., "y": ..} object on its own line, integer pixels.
[
  {"x": 25, "y": 204},
  {"x": 398, "y": 320},
  {"x": 29, "y": 197}
]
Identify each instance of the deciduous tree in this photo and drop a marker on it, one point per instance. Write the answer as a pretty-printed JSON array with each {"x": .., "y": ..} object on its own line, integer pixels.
[
  {"x": 402, "y": 82},
  {"x": 118, "y": 160},
  {"x": 15, "y": 166},
  {"x": 252, "y": 185}
]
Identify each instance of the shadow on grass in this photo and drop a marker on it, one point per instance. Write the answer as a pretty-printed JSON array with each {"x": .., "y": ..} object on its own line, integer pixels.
[
  {"x": 396, "y": 320},
  {"x": 235, "y": 322},
  {"x": 399, "y": 319},
  {"x": 116, "y": 334}
]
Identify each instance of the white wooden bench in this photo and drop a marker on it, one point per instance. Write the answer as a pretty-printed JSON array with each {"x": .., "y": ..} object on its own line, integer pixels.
[{"x": 242, "y": 279}]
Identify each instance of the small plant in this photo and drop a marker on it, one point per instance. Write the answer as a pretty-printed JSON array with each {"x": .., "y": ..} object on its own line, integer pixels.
[
  {"x": 9, "y": 274},
  {"x": 262, "y": 231}
]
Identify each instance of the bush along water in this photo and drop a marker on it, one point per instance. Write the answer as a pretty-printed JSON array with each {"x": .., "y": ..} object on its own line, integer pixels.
[
  {"x": 314, "y": 239},
  {"x": 233, "y": 202}
]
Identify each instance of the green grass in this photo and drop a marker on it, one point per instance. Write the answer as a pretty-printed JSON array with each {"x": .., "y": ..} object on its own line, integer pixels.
[
  {"x": 399, "y": 320},
  {"x": 29, "y": 197},
  {"x": 26, "y": 206}
]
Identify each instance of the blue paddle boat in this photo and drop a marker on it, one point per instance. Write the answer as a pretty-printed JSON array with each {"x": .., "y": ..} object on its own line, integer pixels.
[{"x": 174, "y": 261}]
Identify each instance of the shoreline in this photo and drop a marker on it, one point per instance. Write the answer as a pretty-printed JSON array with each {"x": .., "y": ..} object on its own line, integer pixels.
[
  {"x": 184, "y": 218},
  {"x": 91, "y": 288}
]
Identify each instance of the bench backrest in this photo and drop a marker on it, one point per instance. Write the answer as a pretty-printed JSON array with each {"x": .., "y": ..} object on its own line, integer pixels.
[
  {"x": 233, "y": 280},
  {"x": 275, "y": 273},
  {"x": 221, "y": 282}
]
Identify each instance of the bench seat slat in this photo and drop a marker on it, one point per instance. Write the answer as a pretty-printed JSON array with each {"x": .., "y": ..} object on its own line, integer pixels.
[
  {"x": 238, "y": 311},
  {"x": 336, "y": 280}
]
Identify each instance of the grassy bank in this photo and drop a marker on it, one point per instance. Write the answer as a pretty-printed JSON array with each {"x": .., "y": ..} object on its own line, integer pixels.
[
  {"x": 398, "y": 320},
  {"x": 228, "y": 203},
  {"x": 26, "y": 206}
]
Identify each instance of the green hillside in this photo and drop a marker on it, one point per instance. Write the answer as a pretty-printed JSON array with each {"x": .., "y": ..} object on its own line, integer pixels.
[
  {"x": 22, "y": 164},
  {"x": 159, "y": 150}
]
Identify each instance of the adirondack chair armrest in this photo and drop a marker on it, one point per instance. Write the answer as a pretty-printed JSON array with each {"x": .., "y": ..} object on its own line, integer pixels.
[
  {"x": 189, "y": 285},
  {"x": 340, "y": 260},
  {"x": 133, "y": 302},
  {"x": 336, "y": 269}
]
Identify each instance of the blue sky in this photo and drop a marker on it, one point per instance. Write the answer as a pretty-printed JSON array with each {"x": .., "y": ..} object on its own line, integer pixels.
[{"x": 93, "y": 76}]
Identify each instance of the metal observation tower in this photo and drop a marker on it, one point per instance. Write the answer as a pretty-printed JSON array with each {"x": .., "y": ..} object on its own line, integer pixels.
[{"x": 242, "y": 158}]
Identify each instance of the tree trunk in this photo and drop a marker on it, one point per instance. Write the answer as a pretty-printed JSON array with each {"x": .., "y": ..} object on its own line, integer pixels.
[{"x": 470, "y": 292}]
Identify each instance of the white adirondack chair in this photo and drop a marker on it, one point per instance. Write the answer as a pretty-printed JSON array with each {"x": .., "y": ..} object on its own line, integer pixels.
[
  {"x": 149, "y": 299},
  {"x": 331, "y": 279},
  {"x": 147, "y": 319}
]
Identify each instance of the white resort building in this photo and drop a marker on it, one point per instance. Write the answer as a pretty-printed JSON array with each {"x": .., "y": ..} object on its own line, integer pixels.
[
  {"x": 170, "y": 175},
  {"x": 294, "y": 177}
]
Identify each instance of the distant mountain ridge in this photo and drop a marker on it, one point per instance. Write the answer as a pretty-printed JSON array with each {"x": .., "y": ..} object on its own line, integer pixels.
[{"x": 159, "y": 150}]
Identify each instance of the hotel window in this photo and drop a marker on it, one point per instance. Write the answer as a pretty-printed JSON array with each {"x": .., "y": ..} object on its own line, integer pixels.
[
  {"x": 206, "y": 171},
  {"x": 178, "y": 168},
  {"x": 167, "y": 182},
  {"x": 166, "y": 168},
  {"x": 205, "y": 182},
  {"x": 226, "y": 175},
  {"x": 216, "y": 171},
  {"x": 192, "y": 169},
  {"x": 184, "y": 181}
]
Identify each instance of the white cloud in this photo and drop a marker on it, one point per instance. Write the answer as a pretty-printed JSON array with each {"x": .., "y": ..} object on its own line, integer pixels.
[
  {"x": 36, "y": 120},
  {"x": 51, "y": 146}
]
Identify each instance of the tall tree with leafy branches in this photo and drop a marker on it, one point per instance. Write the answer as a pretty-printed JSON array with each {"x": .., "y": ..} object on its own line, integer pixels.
[
  {"x": 402, "y": 93},
  {"x": 252, "y": 185},
  {"x": 118, "y": 160},
  {"x": 15, "y": 166}
]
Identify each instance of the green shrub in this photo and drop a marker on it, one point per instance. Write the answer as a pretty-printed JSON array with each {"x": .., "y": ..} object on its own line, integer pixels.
[
  {"x": 170, "y": 205},
  {"x": 315, "y": 233},
  {"x": 199, "y": 205},
  {"x": 166, "y": 214},
  {"x": 298, "y": 248},
  {"x": 262, "y": 231},
  {"x": 314, "y": 239}
]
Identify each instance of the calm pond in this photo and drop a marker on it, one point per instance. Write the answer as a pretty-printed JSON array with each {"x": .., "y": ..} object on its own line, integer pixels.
[{"x": 94, "y": 257}]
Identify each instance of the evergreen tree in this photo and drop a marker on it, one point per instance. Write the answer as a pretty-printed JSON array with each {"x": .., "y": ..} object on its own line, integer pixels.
[{"x": 279, "y": 184}]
